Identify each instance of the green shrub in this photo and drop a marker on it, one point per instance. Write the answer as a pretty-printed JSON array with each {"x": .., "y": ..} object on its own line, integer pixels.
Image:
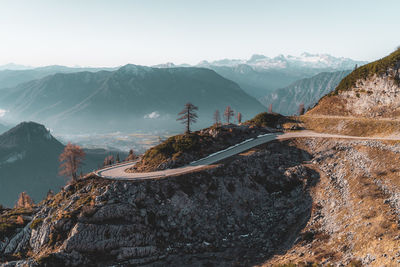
[
  {"x": 173, "y": 146},
  {"x": 265, "y": 119}
]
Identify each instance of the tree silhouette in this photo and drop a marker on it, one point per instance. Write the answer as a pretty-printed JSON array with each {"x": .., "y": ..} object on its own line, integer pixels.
[
  {"x": 217, "y": 118},
  {"x": 228, "y": 114},
  {"x": 24, "y": 201},
  {"x": 188, "y": 115},
  {"x": 239, "y": 117},
  {"x": 70, "y": 159},
  {"x": 270, "y": 108},
  {"x": 301, "y": 109},
  {"x": 131, "y": 156},
  {"x": 109, "y": 160}
]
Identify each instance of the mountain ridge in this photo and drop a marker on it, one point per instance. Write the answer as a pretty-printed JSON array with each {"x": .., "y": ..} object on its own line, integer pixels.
[
  {"x": 369, "y": 91},
  {"x": 130, "y": 93}
]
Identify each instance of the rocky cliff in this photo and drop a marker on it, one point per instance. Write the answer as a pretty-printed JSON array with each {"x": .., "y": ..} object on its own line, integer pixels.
[{"x": 370, "y": 91}]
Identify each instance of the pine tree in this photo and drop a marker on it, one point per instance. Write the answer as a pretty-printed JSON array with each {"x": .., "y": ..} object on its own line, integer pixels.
[
  {"x": 217, "y": 118},
  {"x": 117, "y": 158},
  {"x": 270, "y": 108},
  {"x": 239, "y": 117},
  {"x": 301, "y": 109},
  {"x": 131, "y": 156},
  {"x": 71, "y": 159},
  {"x": 24, "y": 201},
  {"x": 228, "y": 114},
  {"x": 188, "y": 116}
]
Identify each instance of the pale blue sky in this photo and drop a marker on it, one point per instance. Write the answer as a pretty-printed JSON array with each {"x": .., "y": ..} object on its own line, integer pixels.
[{"x": 116, "y": 32}]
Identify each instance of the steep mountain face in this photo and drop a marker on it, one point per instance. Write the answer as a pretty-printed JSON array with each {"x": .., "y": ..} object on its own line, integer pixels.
[
  {"x": 370, "y": 91},
  {"x": 3, "y": 128},
  {"x": 259, "y": 82},
  {"x": 307, "y": 91},
  {"x": 131, "y": 98},
  {"x": 11, "y": 75},
  {"x": 29, "y": 162}
]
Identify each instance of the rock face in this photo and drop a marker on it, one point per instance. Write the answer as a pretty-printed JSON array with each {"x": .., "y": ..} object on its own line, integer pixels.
[
  {"x": 243, "y": 211},
  {"x": 370, "y": 91}
]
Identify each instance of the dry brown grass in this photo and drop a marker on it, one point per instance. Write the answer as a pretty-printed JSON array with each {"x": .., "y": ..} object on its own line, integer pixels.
[
  {"x": 363, "y": 221},
  {"x": 351, "y": 125}
]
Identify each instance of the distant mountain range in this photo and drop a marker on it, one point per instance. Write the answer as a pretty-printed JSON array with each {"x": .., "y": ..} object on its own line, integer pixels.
[
  {"x": 307, "y": 91},
  {"x": 13, "y": 75},
  {"x": 305, "y": 60},
  {"x": 12, "y": 66},
  {"x": 130, "y": 98},
  {"x": 29, "y": 162},
  {"x": 261, "y": 75}
]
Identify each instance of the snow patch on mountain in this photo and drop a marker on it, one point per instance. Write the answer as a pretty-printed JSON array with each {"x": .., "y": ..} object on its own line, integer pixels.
[
  {"x": 306, "y": 60},
  {"x": 15, "y": 157}
]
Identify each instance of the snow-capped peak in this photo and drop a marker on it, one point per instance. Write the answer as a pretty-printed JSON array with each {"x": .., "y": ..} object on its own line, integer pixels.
[{"x": 281, "y": 61}]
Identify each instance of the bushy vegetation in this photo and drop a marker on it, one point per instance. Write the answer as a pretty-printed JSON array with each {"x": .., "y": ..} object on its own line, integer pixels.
[
  {"x": 173, "y": 147},
  {"x": 378, "y": 67},
  {"x": 266, "y": 119}
]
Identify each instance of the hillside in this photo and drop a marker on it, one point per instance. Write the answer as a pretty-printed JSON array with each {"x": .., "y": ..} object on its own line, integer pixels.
[
  {"x": 259, "y": 82},
  {"x": 307, "y": 91},
  {"x": 307, "y": 200},
  {"x": 370, "y": 91},
  {"x": 131, "y": 98},
  {"x": 3, "y": 128},
  {"x": 29, "y": 162}
]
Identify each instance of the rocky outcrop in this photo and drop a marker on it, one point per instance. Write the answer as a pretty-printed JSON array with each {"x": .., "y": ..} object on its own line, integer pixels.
[
  {"x": 371, "y": 91},
  {"x": 242, "y": 211}
]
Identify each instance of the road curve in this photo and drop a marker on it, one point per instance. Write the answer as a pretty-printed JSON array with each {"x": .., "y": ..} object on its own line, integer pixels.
[{"x": 118, "y": 172}]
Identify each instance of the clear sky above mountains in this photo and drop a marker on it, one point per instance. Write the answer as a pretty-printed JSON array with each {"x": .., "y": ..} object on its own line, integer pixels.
[{"x": 111, "y": 33}]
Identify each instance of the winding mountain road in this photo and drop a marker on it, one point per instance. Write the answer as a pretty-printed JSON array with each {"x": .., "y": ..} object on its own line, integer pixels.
[{"x": 118, "y": 172}]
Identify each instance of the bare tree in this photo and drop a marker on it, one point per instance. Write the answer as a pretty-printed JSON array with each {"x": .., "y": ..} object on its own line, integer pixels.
[
  {"x": 228, "y": 114},
  {"x": 301, "y": 109},
  {"x": 239, "y": 117},
  {"x": 188, "y": 115},
  {"x": 131, "y": 155},
  {"x": 270, "y": 108},
  {"x": 109, "y": 160},
  {"x": 24, "y": 201},
  {"x": 70, "y": 159},
  {"x": 217, "y": 118}
]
